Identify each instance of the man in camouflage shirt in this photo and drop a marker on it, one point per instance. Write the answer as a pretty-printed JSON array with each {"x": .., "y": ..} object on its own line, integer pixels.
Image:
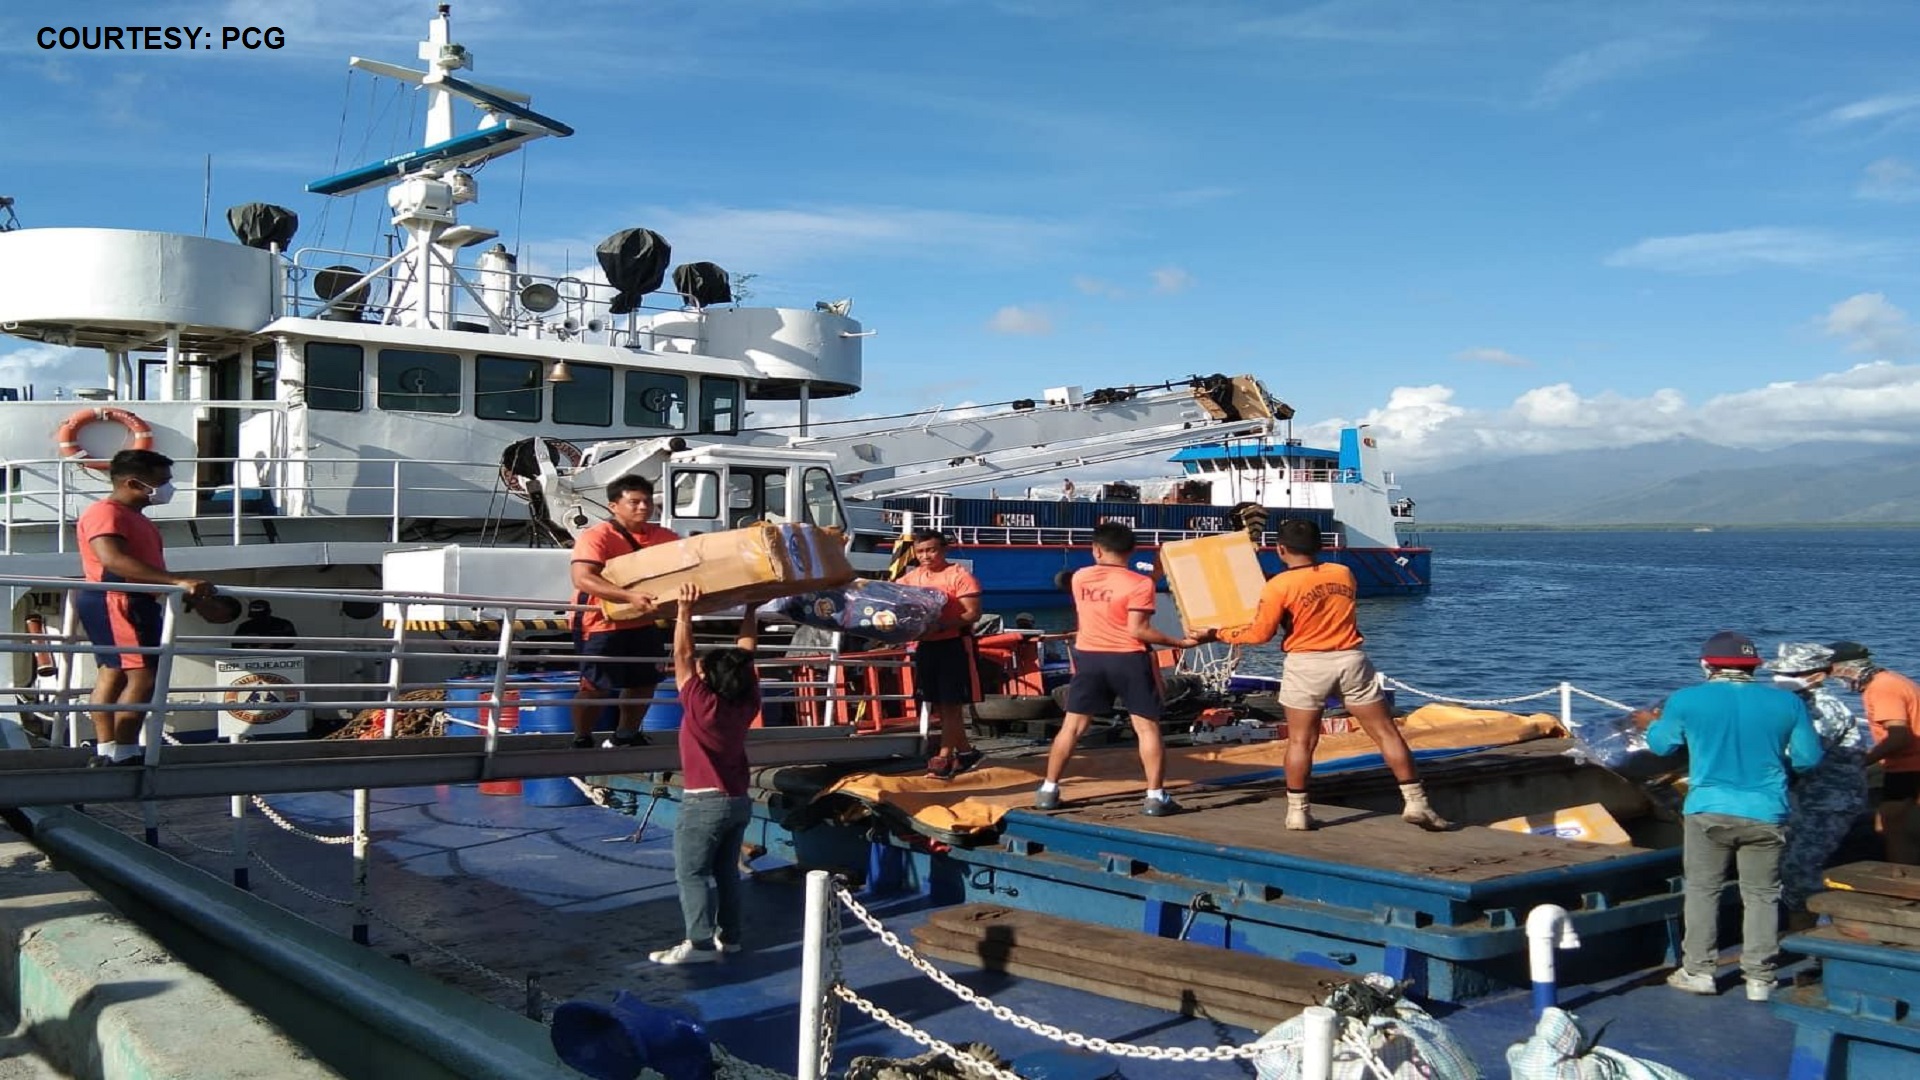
[{"x": 1826, "y": 800}]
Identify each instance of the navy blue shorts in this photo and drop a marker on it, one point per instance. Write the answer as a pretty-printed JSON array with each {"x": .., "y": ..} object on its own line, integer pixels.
[
  {"x": 648, "y": 641},
  {"x": 1101, "y": 678},
  {"x": 123, "y": 619},
  {"x": 947, "y": 671}
]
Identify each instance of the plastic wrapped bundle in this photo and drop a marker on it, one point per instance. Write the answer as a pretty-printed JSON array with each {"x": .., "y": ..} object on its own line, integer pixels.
[
  {"x": 1378, "y": 1035},
  {"x": 882, "y": 610},
  {"x": 1559, "y": 1050}
]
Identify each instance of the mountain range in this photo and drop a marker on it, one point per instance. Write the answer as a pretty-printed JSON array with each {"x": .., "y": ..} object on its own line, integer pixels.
[{"x": 1678, "y": 481}]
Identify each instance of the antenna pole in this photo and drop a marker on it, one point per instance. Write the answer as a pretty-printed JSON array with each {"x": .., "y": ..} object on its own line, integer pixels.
[{"x": 206, "y": 195}]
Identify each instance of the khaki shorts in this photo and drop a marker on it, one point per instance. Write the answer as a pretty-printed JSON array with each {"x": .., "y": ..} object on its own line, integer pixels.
[{"x": 1308, "y": 679}]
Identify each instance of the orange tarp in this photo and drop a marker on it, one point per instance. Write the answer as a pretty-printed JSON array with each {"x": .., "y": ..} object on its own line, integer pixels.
[{"x": 976, "y": 800}]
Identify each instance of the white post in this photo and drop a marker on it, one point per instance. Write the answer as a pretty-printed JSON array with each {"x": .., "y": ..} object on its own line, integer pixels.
[
  {"x": 65, "y": 661},
  {"x": 1566, "y": 706},
  {"x": 1548, "y": 927},
  {"x": 152, "y": 724},
  {"x": 392, "y": 712},
  {"x": 501, "y": 653},
  {"x": 238, "y": 808},
  {"x": 362, "y": 908},
  {"x": 1316, "y": 1042},
  {"x": 813, "y": 975}
]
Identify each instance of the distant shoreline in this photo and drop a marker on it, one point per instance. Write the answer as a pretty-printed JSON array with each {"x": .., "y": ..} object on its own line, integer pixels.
[{"x": 1668, "y": 526}]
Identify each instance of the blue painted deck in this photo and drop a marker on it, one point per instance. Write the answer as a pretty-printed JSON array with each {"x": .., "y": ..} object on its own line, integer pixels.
[{"x": 530, "y": 890}]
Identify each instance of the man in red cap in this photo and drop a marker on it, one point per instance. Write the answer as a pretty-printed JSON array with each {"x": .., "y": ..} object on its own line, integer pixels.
[
  {"x": 1892, "y": 704},
  {"x": 1744, "y": 739}
]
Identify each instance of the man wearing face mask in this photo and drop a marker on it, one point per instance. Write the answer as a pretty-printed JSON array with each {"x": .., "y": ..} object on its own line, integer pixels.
[
  {"x": 1892, "y": 704},
  {"x": 1826, "y": 800},
  {"x": 1743, "y": 740},
  {"x": 118, "y": 543}
]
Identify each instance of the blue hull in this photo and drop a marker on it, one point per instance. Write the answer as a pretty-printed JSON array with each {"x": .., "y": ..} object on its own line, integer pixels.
[{"x": 1023, "y": 574}]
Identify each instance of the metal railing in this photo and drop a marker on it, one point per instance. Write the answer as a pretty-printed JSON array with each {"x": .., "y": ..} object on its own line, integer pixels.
[
  {"x": 1020, "y": 536},
  {"x": 283, "y": 488}
]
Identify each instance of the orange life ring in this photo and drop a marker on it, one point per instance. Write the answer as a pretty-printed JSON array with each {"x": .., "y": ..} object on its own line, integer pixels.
[{"x": 68, "y": 435}]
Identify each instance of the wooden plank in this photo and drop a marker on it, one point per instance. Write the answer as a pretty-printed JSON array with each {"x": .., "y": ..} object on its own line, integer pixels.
[
  {"x": 1878, "y": 878},
  {"x": 1867, "y": 908},
  {"x": 1209, "y": 1003},
  {"x": 998, "y": 932},
  {"x": 1903, "y": 936}
]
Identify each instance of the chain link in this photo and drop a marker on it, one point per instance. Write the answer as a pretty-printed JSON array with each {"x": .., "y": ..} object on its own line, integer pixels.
[
  {"x": 728, "y": 1067},
  {"x": 1609, "y": 702},
  {"x": 1483, "y": 702},
  {"x": 1007, "y": 1016},
  {"x": 267, "y": 811},
  {"x": 296, "y": 886},
  {"x": 961, "y": 1059},
  {"x": 836, "y": 978}
]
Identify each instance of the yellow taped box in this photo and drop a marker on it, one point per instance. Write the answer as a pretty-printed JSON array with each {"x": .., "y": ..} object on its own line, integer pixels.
[
  {"x": 1216, "y": 580},
  {"x": 1590, "y": 822},
  {"x": 740, "y": 566}
]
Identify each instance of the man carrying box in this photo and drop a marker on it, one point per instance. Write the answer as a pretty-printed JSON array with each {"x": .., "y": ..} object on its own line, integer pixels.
[
  {"x": 1314, "y": 601},
  {"x": 1111, "y": 661},
  {"x": 946, "y": 661},
  {"x": 630, "y": 501}
]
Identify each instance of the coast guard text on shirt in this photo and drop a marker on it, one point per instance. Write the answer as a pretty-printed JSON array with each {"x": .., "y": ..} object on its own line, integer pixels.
[{"x": 158, "y": 38}]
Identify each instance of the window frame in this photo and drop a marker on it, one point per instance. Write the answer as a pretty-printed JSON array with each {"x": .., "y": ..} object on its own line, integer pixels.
[
  {"x": 413, "y": 358},
  {"x": 575, "y": 387},
  {"x": 482, "y": 397},
  {"x": 359, "y": 389}
]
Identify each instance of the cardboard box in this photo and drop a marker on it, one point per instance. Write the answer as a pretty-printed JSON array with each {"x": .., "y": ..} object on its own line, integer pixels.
[
  {"x": 740, "y": 566},
  {"x": 1216, "y": 580},
  {"x": 1589, "y": 822}
]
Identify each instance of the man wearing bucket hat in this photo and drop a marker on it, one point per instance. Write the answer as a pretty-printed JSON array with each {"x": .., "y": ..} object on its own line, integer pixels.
[
  {"x": 1892, "y": 704},
  {"x": 1825, "y": 801},
  {"x": 1743, "y": 738}
]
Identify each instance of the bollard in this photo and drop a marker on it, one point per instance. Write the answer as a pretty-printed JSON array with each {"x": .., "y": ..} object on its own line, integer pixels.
[
  {"x": 1316, "y": 1042},
  {"x": 813, "y": 973}
]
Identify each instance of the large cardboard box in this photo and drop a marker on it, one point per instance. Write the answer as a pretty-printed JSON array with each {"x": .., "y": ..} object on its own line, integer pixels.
[
  {"x": 1589, "y": 822},
  {"x": 740, "y": 566},
  {"x": 1216, "y": 580}
]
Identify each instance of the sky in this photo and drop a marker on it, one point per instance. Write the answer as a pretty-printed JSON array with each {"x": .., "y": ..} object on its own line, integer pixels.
[{"x": 1485, "y": 227}]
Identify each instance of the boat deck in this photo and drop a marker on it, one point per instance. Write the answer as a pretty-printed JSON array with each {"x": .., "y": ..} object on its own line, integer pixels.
[{"x": 526, "y": 890}]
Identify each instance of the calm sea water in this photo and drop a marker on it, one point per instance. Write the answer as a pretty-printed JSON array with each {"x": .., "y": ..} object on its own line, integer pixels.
[{"x": 1623, "y": 614}]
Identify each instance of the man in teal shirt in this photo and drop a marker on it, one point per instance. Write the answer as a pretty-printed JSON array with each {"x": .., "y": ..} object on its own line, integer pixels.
[{"x": 1743, "y": 740}]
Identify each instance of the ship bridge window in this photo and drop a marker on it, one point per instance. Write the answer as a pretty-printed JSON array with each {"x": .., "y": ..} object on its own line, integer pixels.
[
  {"x": 719, "y": 406},
  {"x": 656, "y": 399},
  {"x": 505, "y": 388},
  {"x": 588, "y": 399},
  {"x": 415, "y": 381},
  {"x": 822, "y": 505},
  {"x": 756, "y": 495},
  {"x": 696, "y": 494},
  {"x": 336, "y": 376}
]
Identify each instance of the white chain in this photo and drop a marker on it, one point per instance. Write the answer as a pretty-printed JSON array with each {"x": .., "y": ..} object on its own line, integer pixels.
[
  {"x": 1589, "y": 695},
  {"x": 266, "y": 809},
  {"x": 1008, "y": 1016},
  {"x": 296, "y": 886},
  {"x": 961, "y": 1059},
  {"x": 728, "y": 1067},
  {"x": 471, "y": 965},
  {"x": 1214, "y": 667},
  {"x": 1417, "y": 692}
]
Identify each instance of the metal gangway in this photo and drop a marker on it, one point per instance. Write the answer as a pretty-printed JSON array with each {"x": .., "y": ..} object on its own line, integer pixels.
[{"x": 67, "y": 773}]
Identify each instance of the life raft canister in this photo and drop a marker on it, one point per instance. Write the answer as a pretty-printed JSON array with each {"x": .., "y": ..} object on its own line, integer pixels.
[{"x": 68, "y": 435}]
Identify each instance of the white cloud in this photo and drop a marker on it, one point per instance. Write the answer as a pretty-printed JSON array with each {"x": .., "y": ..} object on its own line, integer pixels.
[
  {"x": 1606, "y": 62},
  {"x": 1421, "y": 426},
  {"x": 1020, "y": 320},
  {"x": 1743, "y": 249},
  {"x": 48, "y": 367},
  {"x": 1171, "y": 279},
  {"x": 1500, "y": 357},
  {"x": 1890, "y": 180},
  {"x": 1871, "y": 324},
  {"x": 1885, "y": 107},
  {"x": 1093, "y": 286}
]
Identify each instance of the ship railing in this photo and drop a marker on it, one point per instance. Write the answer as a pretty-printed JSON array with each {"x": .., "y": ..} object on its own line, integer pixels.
[
  {"x": 823, "y": 684},
  {"x": 368, "y": 288},
  {"x": 1022, "y": 536},
  {"x": 53, "y": 492}
]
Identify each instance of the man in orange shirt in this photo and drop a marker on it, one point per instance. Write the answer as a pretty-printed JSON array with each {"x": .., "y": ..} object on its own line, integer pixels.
[
  {"x": 1111, "y": 662},
  {"x": 622, "y": 658},
  {"x": 1311, "y": 602},
  {"x": 946, "y": 660},
  {"x": 1892, "y": 704}
]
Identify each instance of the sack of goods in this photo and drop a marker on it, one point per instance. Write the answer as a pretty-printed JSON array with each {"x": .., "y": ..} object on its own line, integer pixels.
[
  {"x": 1215, "y": 580},
  {"x": 881, "y": 610},
  {"x": 740, "y": 566}
]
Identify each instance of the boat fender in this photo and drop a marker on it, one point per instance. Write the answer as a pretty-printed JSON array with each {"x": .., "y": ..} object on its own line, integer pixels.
[{"x": 68, "y": 435}]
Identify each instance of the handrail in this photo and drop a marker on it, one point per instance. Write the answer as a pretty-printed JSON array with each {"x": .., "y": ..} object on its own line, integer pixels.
[{"x": 1023, "y": 536}]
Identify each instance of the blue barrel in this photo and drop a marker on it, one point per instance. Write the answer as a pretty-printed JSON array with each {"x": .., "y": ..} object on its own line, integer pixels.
[
  {"x": 548, "y": 710},
  {"x": 665, "y": 714},
  {"x": 470, "y": 688}
]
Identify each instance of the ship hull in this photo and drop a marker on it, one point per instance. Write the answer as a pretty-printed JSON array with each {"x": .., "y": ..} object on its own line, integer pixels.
[{"x": 1023, "y": 574}]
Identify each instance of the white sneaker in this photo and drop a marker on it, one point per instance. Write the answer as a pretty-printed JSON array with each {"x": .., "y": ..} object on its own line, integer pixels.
[
  {"x": 1682, "y": 979},
  {"x": 684, "y": 953},
  {"x": 1300, "y": 819},
  {"x": 721, "y": 944},
  {"x": 1759, "y": 989}
]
